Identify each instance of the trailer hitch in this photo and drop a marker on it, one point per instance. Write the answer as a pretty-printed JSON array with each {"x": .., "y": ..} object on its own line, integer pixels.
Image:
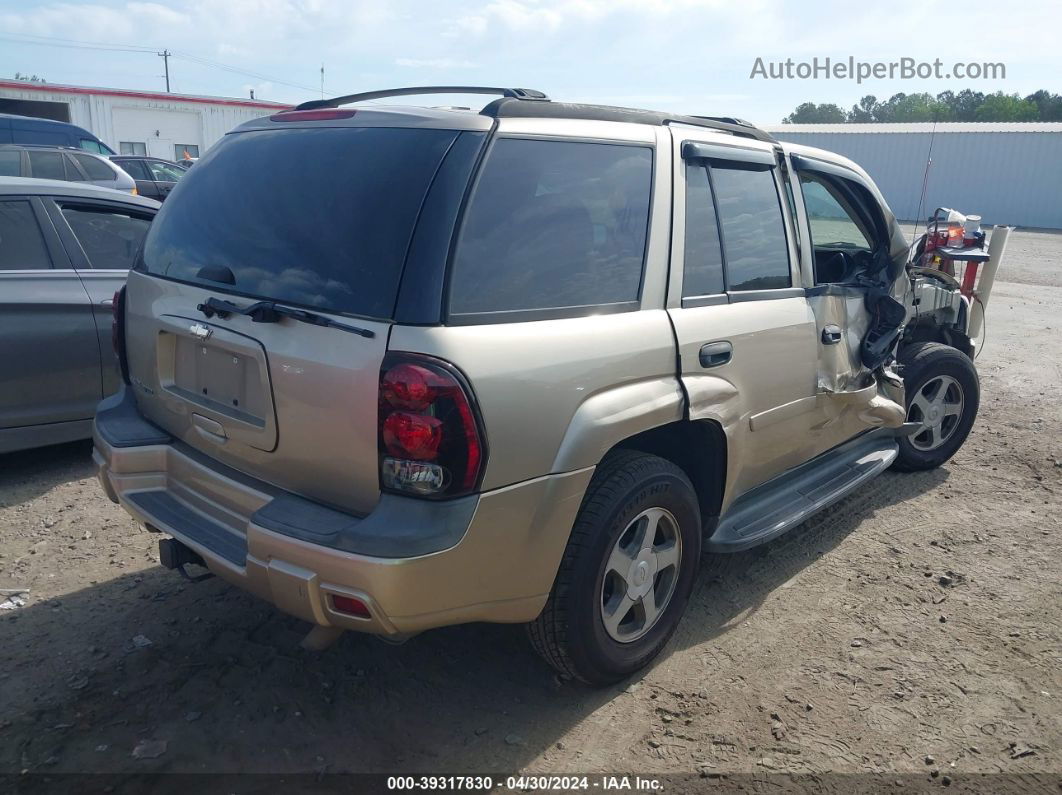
[{"x": 175, "y": 555}]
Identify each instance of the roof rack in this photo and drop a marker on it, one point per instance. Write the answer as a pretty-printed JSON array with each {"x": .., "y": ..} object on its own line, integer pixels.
[
  {"x": 509, "y": 108},
  {"x": 522, "y": 94},
  {"x": 529, "y": 103}
]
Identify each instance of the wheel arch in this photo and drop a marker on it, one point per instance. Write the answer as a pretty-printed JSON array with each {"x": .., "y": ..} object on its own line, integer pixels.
[
  {"x": 698, "y": 448},
  {"x": 932, "y": 332}
]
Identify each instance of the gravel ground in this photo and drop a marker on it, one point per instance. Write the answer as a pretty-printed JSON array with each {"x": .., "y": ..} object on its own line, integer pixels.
[{"x": 914, "y": 630}]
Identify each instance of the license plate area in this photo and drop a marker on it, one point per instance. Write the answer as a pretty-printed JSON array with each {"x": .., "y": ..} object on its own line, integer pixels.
[{"x": 223, "y": 377}]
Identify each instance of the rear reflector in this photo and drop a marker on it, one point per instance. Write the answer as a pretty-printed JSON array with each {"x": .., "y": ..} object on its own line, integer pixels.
[
  {"x": 350, "y": 606},
  {"x": 312, "y": 115}
]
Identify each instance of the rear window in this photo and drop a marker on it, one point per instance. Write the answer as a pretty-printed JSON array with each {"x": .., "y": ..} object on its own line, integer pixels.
[
  {"x": 554, "y": 226},
  {"x": 315, "y": 217}
]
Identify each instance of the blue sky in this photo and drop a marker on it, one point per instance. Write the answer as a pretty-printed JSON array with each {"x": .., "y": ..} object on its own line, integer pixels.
[{"x": 690, "y": 56}]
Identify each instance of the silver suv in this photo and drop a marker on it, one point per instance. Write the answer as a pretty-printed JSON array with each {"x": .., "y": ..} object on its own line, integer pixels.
[{"x": 393, "y": 368}]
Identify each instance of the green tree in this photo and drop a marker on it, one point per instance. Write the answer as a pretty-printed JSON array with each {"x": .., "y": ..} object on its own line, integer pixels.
[
  {"x": 1049, "y": 105},
  {"x": 864, "y": 111},
  {"x": 810, "y": 113},
  {"x": 965, "y": 104},
  {"x": 913, "y": 108},
  {"x": 1006, "y": 107}
]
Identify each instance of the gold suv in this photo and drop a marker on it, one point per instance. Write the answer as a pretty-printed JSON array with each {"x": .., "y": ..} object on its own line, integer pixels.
[{"x": 392, "y": 368}]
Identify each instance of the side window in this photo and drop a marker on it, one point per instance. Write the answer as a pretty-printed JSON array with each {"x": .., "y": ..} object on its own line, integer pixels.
[
  {"x": 10, "y": 163},
  {"x": 135, "y": 169},
  {"x": 553, "y": 225},
  {"x": 703, "y": 261},
  {"x": 164, "y": 172},
  {"x": 91, "y": 146},
  {"x": 110, "y": 238},
  {"x": 94, "y": 167},
  {"x": 47, "y": 165},
  {"x": 832, "y": 220},
  {"x": 21, "y": 242},
  {"x": 750, "y": 214}
]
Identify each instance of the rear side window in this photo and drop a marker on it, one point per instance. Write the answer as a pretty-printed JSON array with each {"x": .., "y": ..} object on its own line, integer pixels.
[
  {"x": 757, "y": 257},
  {"x": 47, "y": 165},
  {"x": 553, "y": 225},
  {"x": 110, "y": 238},
  {"x": 94, "y": 167},
  {"x": 703, "y": 262},
  {"x": 21, "y": 242},
  {"x": 10, "y": 164},
  {"x": 319, "y": 217}
]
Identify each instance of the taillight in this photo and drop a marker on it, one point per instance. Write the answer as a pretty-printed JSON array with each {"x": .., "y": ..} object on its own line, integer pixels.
[
  {"x": 118, "y": 332},
  {"x": 430, "y": 438}
]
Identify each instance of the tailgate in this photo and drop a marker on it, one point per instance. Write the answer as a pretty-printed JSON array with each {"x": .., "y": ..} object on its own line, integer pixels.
[{"x": 290, "y": 403}]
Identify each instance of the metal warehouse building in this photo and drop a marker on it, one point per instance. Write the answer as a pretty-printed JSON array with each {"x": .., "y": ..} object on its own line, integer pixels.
[
  {"x": 1006, "y": 173},
  {"x": 135, "y": 122}
]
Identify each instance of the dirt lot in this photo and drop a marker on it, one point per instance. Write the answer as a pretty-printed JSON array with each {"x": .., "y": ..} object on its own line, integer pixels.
[{"x": 915, "y": 628}]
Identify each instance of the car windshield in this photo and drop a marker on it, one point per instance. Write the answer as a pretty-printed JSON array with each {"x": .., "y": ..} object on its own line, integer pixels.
[{"x": 316, "y": 217}]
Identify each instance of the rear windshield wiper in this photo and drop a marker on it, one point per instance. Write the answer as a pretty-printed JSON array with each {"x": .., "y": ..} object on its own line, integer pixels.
[{"x": 271, "y": 312}]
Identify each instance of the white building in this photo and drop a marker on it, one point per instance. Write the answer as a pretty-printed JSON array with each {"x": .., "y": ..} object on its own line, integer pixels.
[
  {"x": 1008, "y": 173},
  {"x": 135, "y": 122}
]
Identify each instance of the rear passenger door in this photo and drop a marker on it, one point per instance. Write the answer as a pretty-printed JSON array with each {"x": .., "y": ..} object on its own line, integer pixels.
[
  {"x": 50, "y": 357},
  {"x": 102, "y": 240},
  {"x": 745, "y": 331}
]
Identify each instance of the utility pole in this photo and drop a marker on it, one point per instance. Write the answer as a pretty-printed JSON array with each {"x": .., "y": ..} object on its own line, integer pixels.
[{"x": 165, "y": 56}]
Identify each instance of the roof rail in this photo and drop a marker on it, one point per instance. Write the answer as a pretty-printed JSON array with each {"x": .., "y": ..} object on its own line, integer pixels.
[
  {"x": 507, "y": 108},
  {"x": 511, "y": 93}
]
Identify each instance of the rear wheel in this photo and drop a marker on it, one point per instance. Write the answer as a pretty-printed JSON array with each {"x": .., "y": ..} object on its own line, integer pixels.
[
  {"x": 627, "y": 571},
  {"x": 943, "y": 394}
]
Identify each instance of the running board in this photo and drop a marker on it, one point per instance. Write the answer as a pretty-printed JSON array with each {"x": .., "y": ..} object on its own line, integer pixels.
[{"x": 784, "y": 502}]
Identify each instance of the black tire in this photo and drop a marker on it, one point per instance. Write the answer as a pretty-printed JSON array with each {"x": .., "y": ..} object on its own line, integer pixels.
[
  {"x": 921, "y": 364},
  {"x": 570, "y": 632}
]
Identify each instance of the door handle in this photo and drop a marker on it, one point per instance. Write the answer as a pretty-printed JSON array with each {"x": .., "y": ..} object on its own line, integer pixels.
[
  {"x": 107, "y": 302},
  {"x": 831, "y": 335},
  {"x": 714, "y": 354}
]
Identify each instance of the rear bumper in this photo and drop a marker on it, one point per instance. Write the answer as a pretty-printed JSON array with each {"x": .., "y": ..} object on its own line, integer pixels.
[{"x": 414, "y": 564}]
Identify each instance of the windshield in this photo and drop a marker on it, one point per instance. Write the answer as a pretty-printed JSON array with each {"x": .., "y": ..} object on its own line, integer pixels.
[{"x": 317, "y": 217}]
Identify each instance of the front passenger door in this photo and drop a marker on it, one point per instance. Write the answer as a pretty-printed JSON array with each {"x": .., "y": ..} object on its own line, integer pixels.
[
  {"x": 165, "y": 176},
  {"x": 745, "y": 332}
]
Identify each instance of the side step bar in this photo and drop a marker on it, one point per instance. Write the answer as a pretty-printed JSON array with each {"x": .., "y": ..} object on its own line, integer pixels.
[{"x": 780, "y": 504}]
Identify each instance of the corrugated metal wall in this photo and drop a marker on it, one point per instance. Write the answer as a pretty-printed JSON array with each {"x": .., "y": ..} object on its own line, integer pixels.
[{"x": 1005, "y": 177}]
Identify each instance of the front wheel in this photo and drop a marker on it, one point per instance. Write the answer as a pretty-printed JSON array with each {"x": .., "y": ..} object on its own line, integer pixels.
[
  {"x": 943, "y": 394},
  {"x": 627, "y": 571}
]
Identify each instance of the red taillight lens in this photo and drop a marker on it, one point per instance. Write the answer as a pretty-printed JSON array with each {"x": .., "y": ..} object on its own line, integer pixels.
[
  {"x": 118, "y": 331},
  {"x": 323, "y": 114},
  {"x": 413, "y": 436},
  {"x": 350, "y": 606},
  {"x": 407, "y": 386},
  {"x": 430, "y": 439}
]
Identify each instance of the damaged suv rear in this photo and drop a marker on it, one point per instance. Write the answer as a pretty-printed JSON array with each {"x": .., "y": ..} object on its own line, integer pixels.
[{"x": 431, "y": 366}]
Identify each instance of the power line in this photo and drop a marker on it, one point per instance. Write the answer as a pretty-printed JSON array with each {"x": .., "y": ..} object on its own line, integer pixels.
[{"x": 49, "y": 41}]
